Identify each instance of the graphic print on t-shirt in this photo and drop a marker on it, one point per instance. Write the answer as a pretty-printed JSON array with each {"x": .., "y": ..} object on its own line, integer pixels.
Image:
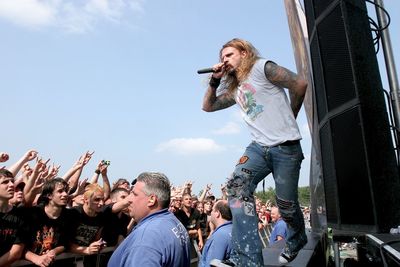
[
  {"x": 86, "y": 234},
  {"x": 245, "y": 99},
  {"x": 44, "y": 241}
]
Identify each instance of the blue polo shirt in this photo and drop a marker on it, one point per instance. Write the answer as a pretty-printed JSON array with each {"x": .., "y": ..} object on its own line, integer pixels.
[
  {"x": 280, "y": 229},
  {"x": 218, "y": 246},
  {"x": 158, "y": 240}
]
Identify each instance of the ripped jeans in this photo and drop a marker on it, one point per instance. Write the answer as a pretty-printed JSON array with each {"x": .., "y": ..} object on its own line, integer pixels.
[{"x": 283, "y": 161}]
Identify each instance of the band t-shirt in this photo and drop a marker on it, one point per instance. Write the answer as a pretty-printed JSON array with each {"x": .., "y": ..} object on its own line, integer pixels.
[
  {"x": 13, "y": 229},
  {"x": 48, "y": 233},
  {"x": 89, "y": 229}
]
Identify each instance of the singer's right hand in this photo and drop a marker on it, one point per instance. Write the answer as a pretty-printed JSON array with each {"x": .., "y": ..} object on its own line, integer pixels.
[{"x": 219, "y": 70}]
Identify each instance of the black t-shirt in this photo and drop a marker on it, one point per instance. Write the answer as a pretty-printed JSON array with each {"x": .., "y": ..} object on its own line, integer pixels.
[
  {"x": 89, "y": 229},
  {"x": 47, "y": 233},
  {"x": 203, "y": 222},
  {"x": 115, "y": 226},
  {"x": 190, "y": 223},
  {"x": 13, "y": 229}
]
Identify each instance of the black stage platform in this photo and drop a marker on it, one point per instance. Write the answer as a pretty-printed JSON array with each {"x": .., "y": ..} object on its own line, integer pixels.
[
  {"x": 381, "y": 250},
  {"x": 312, "y": 255}
]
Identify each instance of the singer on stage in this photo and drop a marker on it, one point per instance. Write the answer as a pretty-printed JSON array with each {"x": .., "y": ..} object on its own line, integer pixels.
[{"x": 257, "y": 86}]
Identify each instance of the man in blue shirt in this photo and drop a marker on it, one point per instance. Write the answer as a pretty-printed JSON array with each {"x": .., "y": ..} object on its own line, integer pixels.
[
  {"x": 219, "y": 245},
  {"x": 159, "y": 239},
  {"x": 279, "y": 231}
]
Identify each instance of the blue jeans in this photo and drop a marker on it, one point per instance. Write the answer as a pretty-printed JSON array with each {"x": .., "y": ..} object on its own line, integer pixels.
[{"x": 283, "y": 161}]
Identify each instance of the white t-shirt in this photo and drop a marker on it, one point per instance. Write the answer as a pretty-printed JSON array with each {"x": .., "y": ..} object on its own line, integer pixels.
[{"x": 266, "y": 109}]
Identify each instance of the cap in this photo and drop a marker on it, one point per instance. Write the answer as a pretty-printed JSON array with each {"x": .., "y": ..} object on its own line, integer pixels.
[
  {"x": 210, "y": 198},
  {"x": 20, "y": 184}
]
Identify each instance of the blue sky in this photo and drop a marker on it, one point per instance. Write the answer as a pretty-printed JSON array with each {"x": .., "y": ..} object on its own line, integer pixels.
[{"x": 118, "y": 77}]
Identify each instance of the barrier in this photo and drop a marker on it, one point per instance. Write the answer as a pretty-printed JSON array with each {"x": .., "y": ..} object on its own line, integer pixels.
[{"x": 72, "y": 259}]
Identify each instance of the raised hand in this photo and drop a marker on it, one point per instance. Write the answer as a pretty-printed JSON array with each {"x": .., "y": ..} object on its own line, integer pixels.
[
  {"x": 208, "y": 187},
  {"x": 30, "y": 155},
  {"x": 3, "y": 157},
  {"x": 80, "y": 189},
  {"x": 87, "y": 157}
]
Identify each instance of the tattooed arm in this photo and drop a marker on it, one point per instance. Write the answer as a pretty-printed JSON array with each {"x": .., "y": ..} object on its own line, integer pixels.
[
  {"x": 212, "y": 102},
  {"x": 283, "y": 77}
]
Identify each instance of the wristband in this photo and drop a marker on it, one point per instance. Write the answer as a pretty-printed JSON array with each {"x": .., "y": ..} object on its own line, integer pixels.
[
  {"x": 214, "y": 82},
  {"x": 97, "y": 171}
]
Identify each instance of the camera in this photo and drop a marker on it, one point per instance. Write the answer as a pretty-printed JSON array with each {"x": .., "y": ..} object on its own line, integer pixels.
[{"x": 105, "y": 162}]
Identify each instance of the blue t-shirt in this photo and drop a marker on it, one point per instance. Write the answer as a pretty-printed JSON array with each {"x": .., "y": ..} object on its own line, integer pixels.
[
  {"x": 158, "y": 240},
  {"x": 280, "y": 229},
  {"x": 218, "y": 246}
]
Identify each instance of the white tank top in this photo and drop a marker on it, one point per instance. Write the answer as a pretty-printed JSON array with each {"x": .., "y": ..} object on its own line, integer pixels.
[{"x": 266, "y": 109}]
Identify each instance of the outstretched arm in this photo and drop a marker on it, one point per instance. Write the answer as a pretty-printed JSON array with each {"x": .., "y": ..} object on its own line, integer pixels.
[
  {"x": 283, "y": 77},
  {"x": 28, "y": 156},
  {"x": 106, "y": 182},
  {"x": 204, "y": 193}
]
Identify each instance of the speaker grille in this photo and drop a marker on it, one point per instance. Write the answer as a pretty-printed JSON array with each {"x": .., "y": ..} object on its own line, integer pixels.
[{"x": 338, "y": 73}]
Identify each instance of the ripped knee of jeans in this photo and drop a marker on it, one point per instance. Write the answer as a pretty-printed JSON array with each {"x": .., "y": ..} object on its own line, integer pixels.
[
  {"x": 239, "y": 186},
  {"x": 287, "y": 209}
]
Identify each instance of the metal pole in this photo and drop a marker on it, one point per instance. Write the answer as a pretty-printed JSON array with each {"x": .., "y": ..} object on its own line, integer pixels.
[
  {"x": 336, "y": 254},
  {"x": 390, "y": 64}
]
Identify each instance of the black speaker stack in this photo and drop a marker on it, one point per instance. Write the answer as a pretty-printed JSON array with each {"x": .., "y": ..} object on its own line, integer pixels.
[{"x": 360, "y": 173}]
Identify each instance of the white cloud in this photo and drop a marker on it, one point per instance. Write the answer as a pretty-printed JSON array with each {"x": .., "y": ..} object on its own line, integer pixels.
[
  {"x": 229, "y": 128},
  {"x": 72, "y": 16},
  {"x": 30, "y": 13},
  {"x": 186, "y": 146}
]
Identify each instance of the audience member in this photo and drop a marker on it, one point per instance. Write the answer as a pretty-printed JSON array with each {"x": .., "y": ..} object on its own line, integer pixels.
[
  {"x": 91, "y": 218},
  {"x": 52, "y": 228},
  {"x": 189, "y": 217},
  {"x": 13, "y": 233},
  {"x": 18, "y": 198},
  {"x": 279, "y": 230},
  {"x": 158, "y": 239},
  {"x": 219, "y": 245}
]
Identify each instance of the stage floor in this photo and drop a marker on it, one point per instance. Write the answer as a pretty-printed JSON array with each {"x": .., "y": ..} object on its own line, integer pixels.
[{"x": 310, "y": 255}]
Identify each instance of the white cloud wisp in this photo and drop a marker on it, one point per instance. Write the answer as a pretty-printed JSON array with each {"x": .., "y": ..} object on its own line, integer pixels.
[
  {"x": 188, "y": 146},
  {"x": 71, "y": 16}
]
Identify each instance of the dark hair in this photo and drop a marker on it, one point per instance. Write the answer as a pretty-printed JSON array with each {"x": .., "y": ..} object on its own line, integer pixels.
[
  {"x": 48, "y": 189},
  {"x": 6, "y": 173},
  {"x": 119, "y": 182},
  {"x": 223, "y": 208},
  {"x": 117, "y": 190}
]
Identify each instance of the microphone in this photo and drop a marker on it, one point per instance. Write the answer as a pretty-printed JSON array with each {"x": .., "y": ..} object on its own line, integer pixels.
[{"x": 207, "y": 70}]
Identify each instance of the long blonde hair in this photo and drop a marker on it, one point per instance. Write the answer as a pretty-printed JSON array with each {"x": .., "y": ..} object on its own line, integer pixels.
[{"x": 233, "y": 80}]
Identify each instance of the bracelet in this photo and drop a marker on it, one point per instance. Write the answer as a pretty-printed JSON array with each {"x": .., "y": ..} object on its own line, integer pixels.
[
  {"x": 214, "y": 82},
  {"x": 97, "y": 171}
]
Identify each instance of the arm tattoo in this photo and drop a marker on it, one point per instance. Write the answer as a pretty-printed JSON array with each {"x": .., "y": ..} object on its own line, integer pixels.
[
  {"x": 224, "y": 101},
  {"x": 211, "y": 102},
  {"x": 280, "y": 76},
  {"x": 283, "y": 77}
]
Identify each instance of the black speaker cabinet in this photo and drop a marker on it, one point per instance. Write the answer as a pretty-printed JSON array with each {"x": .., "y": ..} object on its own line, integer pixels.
[{"x": 361, "y": 180}]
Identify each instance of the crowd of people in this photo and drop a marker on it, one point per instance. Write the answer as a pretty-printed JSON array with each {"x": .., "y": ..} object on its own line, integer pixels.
[{"x": 82, "y": 216}]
